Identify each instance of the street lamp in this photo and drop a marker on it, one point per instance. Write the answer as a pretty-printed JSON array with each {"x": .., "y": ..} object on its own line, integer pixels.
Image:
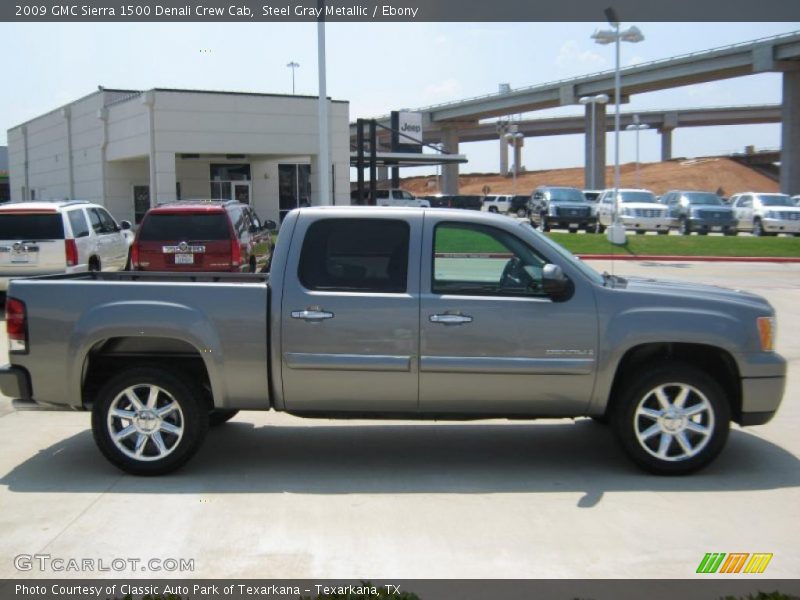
[
  {"x": 592, "y": 100},
  {"x": 293, "y": 65},
  {"x": 637, "y": 127},
  {"x": 616, "y": 233},
  {"x": 514, "y": 137}
]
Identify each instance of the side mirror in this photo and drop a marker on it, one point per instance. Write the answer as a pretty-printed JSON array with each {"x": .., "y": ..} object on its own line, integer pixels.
[
  {"x": 270, "y": 226},
  {"x": 125, "y": 225},
  {"x": 555, "y": 284}
]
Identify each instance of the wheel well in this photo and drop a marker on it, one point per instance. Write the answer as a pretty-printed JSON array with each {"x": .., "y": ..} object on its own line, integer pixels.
[
  {"x": 111, "y": 356},
  {"x": 714, "y": 361},
  {"x": 94, "y": 261}
]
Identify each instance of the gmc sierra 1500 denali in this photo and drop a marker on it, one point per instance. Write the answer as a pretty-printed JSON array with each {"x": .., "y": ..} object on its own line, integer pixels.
[{"x": 395, "y": 313}]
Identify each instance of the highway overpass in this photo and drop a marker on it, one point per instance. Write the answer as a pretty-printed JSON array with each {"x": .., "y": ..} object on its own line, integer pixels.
[{"x": 779, "y": 54}]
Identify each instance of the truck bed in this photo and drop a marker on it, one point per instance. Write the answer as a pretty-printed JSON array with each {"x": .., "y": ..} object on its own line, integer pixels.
[{"x": 214, "y": 321}]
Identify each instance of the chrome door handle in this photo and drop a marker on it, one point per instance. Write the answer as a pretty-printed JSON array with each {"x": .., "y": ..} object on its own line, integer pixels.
[
  {"x": 448, "y": 319},
  {"x": 312, "y": 315}
]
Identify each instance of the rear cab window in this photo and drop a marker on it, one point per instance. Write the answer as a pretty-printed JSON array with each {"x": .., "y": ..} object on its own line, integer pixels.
[
  {"x": 205, "y": 226},
  {"x": 30, "y": 226},
  {"x": 355, "y": 255}
]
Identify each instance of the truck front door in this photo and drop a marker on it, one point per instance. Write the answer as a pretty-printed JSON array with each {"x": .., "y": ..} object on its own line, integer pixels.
[
  {"x": 350, "y": 314},
  {"x": 492, "y": 341}
]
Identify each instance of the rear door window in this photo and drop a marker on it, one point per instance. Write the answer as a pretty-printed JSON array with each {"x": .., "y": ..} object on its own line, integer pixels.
[
  {"x": 161, "y": 227},
  {"x": 355, "y": 255},
  {"x": 31, "y": 226},
  {"x": 77, "y": 220}
]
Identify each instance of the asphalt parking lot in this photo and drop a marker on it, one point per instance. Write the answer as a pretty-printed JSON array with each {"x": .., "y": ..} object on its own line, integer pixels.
[{"x": 273, "y": 496}]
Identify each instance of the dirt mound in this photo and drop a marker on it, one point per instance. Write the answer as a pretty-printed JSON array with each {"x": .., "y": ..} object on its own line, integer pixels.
[{"x": 709, "y": 174}]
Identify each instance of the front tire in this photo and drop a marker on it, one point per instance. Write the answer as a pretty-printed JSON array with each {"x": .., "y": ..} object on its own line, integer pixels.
[
  {"x": 672, "y": 420},
  {"x": 758, "y": 228},
  {"x": 147, "y": 421}
]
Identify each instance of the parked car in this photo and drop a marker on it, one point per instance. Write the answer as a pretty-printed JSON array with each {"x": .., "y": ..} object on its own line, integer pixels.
[
  {"x": 497, "y": 204},
  {"x": 202, "y": 235},
  {"x": 592, "y": 195},
  {"x": 397, "y": 197},
  {"x": 561, "y": 207},
  {"x": 638, "y": 211},
  {"x": 702, "y": 212},
  {"x": 766, "y": 214},
  {"x": 44, "y": 238},
  {"x": 380, "y": 313}
]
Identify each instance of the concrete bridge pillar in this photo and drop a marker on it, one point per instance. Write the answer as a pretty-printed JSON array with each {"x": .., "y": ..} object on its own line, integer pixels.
[
  {"x": 595, "y": 153},
  {"x": 666, "y": 143},
  {"x": 790, "y": 133},
  {"x": 450, "y": 171},
  {"x": 503, "y": 155}
]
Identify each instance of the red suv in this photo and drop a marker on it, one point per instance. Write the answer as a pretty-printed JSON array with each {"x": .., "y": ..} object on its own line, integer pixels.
[{"x": 202, "y": 236}]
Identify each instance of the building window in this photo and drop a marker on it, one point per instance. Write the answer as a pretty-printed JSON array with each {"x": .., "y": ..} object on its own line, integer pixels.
[
  {"x": 141, "y": 202},
  {"x": 294, "y": 183},
  {"x": 230, "y": 181}
]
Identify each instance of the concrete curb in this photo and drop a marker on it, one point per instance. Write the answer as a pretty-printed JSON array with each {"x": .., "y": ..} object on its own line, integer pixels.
[{"x": 671, "y": 258}]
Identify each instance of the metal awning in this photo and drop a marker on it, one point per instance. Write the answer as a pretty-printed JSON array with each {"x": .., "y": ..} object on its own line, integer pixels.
[{"x": 408, "y": 159}]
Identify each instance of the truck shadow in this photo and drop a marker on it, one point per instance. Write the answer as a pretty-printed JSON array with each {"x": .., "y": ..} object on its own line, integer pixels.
[{"x": 398, "y": 458}]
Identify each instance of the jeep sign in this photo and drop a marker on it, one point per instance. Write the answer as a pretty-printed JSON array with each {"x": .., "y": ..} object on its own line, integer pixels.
[
  {"x": 406, "y": 132},
  {"x": 410, "y": 127}
]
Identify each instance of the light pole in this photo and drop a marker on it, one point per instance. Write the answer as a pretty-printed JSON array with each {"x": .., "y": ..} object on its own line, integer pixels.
[
  {"x": 293, "y": 65},
  {"x": 592, "y": 100},
  {"x": 616, "y": 233},
  {"x": 515, "y": 137},
  {"x": 637, "y": 127}
]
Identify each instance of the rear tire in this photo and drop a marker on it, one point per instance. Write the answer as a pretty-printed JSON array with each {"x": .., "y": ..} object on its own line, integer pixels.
[
  {"x": 94, "y": 264},
  {"x": 147, "y": 421},
  {"x": 522, "y": 213},
  {"x": 673, "y": 419}
]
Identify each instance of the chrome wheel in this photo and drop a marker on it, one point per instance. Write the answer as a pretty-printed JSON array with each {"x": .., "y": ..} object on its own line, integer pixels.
[
  {"x": 674, "y": 422},
  {"x": 145, "y": 422}
]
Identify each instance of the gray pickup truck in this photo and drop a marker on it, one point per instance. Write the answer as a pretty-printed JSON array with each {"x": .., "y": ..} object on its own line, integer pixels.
[{"x": 395, "y": 313}]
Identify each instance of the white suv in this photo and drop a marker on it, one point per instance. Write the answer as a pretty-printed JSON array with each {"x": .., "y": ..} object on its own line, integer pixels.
[
  {"x": 45, "y": 238},
  {"x": 395, "y": 197},
  {"x": 638, "y": 211},
  {"x": 497, "y": 204},
  {"x": 766, "y": 214}
]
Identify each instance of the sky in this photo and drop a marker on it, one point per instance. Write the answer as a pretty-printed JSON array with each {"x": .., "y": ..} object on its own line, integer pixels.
[{"x": 379, "y": 67}]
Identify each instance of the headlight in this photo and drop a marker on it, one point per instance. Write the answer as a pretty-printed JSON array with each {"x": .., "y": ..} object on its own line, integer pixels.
[
  {"x": 695, "y": 214},
  {"x": 552, "y": 210},
  {"x": 771, "y": 214},
  {"x": 766, "y": 333},
  {"x": 626, "y": 212}
]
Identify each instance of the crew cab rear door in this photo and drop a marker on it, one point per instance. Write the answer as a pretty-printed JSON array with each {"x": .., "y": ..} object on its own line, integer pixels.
[
  {"x": 350, "y": 313},
  {"x": 492, "y": 341}
]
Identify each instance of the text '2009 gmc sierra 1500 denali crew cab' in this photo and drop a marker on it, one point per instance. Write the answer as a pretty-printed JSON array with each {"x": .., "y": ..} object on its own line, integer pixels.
[{"x": 395, "y": 313}]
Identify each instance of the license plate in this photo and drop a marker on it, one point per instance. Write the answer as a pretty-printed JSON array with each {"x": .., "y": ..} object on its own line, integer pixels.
[
  {"x": 184, "y": 259},
  {"x": 716, "y": 228},
  {"x": 573, "y": 225}
]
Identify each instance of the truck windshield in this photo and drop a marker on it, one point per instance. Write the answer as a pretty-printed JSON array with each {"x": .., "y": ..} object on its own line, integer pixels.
[
  {"x": 626, "y": 197},
  {"x": 775, "y": 200},
  {"x": 566, "y": 195},
  {"x": 31, "y": 226},
  {"x": 703, "y": 198},
  {"x": 163, "y": 227}
]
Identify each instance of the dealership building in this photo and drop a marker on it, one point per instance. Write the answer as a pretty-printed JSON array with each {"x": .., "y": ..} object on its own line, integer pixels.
[{"x": 129, "y": 150}]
